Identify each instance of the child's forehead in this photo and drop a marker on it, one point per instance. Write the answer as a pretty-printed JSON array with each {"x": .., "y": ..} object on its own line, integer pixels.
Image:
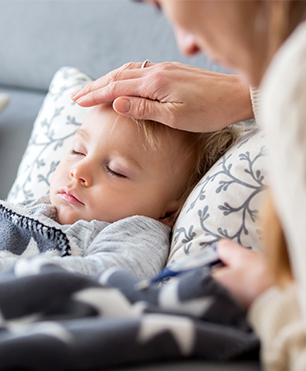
[
  {"x": 152, "y": 135},
  {"x": 103, "y": 122},
  {"x": 104, "y": 109},
  {"x": 101, "y": 115}
]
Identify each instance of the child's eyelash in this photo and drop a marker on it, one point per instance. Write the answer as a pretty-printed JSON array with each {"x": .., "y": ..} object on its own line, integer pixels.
[
  {"x": 113, "y": 173},
  {"x": 73, "y": 152}
]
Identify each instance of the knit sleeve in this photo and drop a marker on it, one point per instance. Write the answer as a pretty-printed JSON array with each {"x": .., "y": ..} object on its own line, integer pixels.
[
  {"x": 138, "y": 244},
  {"x": 276, "y": 318},
  {"x": 256, "y": 101}
]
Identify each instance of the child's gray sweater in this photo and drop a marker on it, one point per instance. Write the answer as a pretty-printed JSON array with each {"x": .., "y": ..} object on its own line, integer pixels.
[{"x": 138, "y": 244}]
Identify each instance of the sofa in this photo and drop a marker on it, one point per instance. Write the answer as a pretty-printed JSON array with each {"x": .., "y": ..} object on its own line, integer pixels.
[{"x": 40, "y": 37}]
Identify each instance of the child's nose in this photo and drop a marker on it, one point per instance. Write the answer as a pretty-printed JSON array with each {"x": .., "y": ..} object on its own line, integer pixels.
[{"x": 82, "y": 175}]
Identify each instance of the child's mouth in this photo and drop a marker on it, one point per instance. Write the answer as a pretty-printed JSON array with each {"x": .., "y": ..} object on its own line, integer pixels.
[{"x": 70, "y": 197}]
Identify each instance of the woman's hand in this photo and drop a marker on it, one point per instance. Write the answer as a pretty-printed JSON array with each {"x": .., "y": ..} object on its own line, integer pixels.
[
  {"x": 245, "y": 275},
  {"x": 178, "y": 95}
]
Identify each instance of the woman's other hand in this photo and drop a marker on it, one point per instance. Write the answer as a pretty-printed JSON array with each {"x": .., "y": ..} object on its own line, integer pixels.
[
  {"x": 178, "y": 95},
  {"x": 245, "y": 274}
]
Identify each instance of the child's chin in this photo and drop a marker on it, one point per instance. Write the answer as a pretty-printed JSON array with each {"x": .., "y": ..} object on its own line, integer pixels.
[{"x": 66, "y": 218}]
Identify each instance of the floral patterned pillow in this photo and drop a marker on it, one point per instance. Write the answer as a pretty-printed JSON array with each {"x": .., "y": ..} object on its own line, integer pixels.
[
  {"x": 57, "y": 121},
  {"x": 226, "y": 202}
]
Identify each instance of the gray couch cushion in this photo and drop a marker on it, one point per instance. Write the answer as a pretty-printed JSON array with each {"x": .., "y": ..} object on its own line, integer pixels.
[
  {"x": 94, "y": 36},
  {"x": 16, "y": 123}
]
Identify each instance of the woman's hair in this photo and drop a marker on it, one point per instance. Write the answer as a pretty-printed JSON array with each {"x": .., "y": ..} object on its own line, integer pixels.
[
  {"x": 275, "y": 21},
  {"x": 285, "y": 15},
  {"x": 201, "y": 150},
  {"x": 275, "y": 245}
]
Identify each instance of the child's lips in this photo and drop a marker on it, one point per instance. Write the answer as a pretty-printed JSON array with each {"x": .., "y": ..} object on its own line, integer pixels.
[{"x": 70, "y": 197}]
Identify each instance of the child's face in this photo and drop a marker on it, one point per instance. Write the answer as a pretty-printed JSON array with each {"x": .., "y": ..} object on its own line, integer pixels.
[{"x": 110, "y": 173}]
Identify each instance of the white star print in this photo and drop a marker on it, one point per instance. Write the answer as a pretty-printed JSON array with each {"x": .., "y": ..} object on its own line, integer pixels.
[
  {"x": 110, "y": 302},
  {"x": 181, "y": 328},
  {"x": 27, "y": 267},
  {"x": 53, "y": 329},
  {"x": 31, "y": 250},
  {"x": 168, "y": 299}
]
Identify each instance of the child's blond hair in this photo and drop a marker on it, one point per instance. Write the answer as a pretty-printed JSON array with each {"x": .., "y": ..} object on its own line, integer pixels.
[{"x": 201, "y": 149}]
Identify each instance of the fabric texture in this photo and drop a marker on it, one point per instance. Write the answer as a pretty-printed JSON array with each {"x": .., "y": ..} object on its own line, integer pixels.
[
  {"x": 226, "y": 202},
  {"x": 138, "y": 244},
  {"x": 256, "y": 99},
  {"x": 56, "y": 320},
  {"x": 280, "y": 316},
  {"x": 57, "y": 121},
  {"x": 283, "y": 117},
  {"x": 276, "y": 316}
]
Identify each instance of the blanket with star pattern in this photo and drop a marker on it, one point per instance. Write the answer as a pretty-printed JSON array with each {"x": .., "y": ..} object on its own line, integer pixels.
[{"x": 53, "y": 319}]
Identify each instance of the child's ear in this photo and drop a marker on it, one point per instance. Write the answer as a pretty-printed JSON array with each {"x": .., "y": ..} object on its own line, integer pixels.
[
  {"x": 169, "y": 219},
  {"x": 170, "y": 216}
]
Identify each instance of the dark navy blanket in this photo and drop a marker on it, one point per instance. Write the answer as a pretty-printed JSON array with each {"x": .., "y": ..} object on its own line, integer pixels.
[{"x": 52, "y": 319}]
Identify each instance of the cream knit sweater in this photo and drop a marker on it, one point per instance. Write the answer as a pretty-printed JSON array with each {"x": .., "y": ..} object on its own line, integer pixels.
[{"x": 279, "y": 316}]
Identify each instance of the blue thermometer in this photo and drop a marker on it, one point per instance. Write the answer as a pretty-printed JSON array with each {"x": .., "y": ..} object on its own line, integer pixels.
[{"x": 201, "y": 259}]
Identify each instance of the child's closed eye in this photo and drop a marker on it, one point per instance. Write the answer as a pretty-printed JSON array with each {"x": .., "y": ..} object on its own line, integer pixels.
[
  {"x": 74, "y": 152},
  {"x": 114, "y": 173}
]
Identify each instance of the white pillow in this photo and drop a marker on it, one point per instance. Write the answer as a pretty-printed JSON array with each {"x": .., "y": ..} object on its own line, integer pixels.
[
  {"x": 226, "y": 202},
  {"x": 57, "y": 121}
]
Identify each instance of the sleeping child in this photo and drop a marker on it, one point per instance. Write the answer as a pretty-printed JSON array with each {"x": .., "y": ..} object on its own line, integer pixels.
[{"x": 114, "y": 196}]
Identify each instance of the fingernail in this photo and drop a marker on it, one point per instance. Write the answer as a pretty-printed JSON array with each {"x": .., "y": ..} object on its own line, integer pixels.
[
  {"x": 79, "y": 100},
  {"x": 74, "y": 93},
  {"x": 122, "y": 105}
]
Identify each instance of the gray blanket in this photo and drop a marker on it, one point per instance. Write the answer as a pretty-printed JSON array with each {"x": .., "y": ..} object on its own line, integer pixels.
[{"x": 52, "y": 319}]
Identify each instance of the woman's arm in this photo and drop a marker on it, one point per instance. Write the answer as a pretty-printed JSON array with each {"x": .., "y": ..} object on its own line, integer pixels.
[{"x": 178, "y": 95}]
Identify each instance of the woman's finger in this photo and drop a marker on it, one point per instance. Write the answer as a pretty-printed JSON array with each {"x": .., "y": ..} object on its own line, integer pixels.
[
  {"x": 245, "y": 275},
  {"x": 230, "y": 253},
  {"x": 126, "y": 72},
  {"x": 181, "y": 96},
  {"x": 109, "y": 92},
  {"x": 146, "y": 109}
]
